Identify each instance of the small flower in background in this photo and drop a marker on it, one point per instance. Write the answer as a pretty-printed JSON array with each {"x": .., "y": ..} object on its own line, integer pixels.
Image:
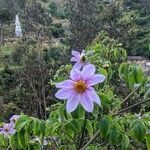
[
  {"x": 80, "y": 59},
  {"x": 45, "y": 142},
  {"x": 13, "y": 120},
  {"x": 79, "y": 89},
  {"x": 7, "y": 129}
]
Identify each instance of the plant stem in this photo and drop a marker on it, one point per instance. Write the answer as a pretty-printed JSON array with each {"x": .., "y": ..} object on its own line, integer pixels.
[
  {"x": 91, "y": 140},
  {"x": 82, "y": 136}
]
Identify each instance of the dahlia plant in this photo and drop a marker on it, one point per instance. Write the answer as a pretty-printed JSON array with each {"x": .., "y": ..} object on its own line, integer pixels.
[{"x": 78, "y": 89}]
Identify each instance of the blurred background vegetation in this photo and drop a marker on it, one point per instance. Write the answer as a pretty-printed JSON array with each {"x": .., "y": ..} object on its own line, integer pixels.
[{"x": 50, "y": 30}]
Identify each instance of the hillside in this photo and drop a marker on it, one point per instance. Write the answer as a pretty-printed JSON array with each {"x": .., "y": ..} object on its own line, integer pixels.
[{"x": 38, "y": 25}]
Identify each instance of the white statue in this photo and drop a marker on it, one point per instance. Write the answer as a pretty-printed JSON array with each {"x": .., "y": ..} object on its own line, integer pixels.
[{"x": 18, "y": 30}]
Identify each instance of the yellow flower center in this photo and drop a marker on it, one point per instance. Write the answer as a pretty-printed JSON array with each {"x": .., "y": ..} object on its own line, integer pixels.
[{"x": 80, "y": 86}]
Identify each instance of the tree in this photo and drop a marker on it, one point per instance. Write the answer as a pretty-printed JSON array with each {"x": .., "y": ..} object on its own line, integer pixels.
[
  {"x": 5, "y": 17},
  {"x": 85, "y": 21},
  {"x": 140, "y": 11}
]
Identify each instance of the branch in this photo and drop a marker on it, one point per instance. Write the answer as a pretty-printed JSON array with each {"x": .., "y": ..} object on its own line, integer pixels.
[
  {"x": 124, "y": 100},
  {"x": 98, "y": 132},
  {"x": 127, "y": 108},
  {"x": 91, "y": 140},
  {"x": 131, "y": 94}
]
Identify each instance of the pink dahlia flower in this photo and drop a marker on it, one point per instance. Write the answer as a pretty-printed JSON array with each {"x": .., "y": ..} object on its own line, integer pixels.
[
  {"x": 80, "y": 59},
  {"x": 13, "y": 120},
  {"x": 7, "y": 129},
  {"x": 79, "y": 90}
]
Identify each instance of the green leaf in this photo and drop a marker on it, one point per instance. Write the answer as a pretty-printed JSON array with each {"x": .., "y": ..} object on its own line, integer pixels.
[
  {"x": 78, "y": 113},
  {"x": 95, "y": 111},
  {"x": 148, "y": 141},
  {"x": 113, "y": 135},
  {"x": 139, "y": 130},
  {"x": 71, "y": 125},
  {"x": 36, "y": 129},
  {"x": 106, "y": 101},
  {"x": 75, "y": 123},
  {"x": 55, "y": 127},
  {"x": 14, "y": 144},
  {"x": 102, "y": 71},
  {"x": 22, "y": 122},
  {"x": 69, "y": 131},
  {"x": 43, "y": 128},
  {"x": 23, "y": 139},
  {"x": 34, "y": 146},
  {"x": 104, "y": 126},
  {"x": 131, "y": 80},
  {"x": 132, "y": 74},
  {"x": 123, "y": 71},
  {"x": 51, "y": 126},
  {"x": 89, "y": 127},
  {"x": 138, "y": 74},
  {"x": 30, "y": 127},
  {"x": 125, "y": 142},
  {"x": 61, "y": 112}
]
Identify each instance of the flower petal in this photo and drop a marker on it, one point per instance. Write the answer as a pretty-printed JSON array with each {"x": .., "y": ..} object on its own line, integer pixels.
[
  {"x": 86, "y": 102},
  {"x": 12, "y": 124},
  {"x": 93, "y": 96},
  {"x": 75, "y": 74},
  {"x": 78, "y": 65},
  {"x": 97, "y": 78},
  {"x": 12, "y": 131},
  {"x": 85, "y": 64},
  {"x": 88, "y": 71},
  {"x": 3, "y": 132},
  {"x": 73, "y": 102},
  {"x": 75, "y": 53},
  {"x": 64, "y": 93},
  {"x": 65, "y": 84},
  {"x": 76, "y": 59}
]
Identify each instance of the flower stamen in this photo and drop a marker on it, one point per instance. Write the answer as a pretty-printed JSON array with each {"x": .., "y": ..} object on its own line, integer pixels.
[
  {"x": 83, "y": 59},
  {"x": 80, "y": 86}
]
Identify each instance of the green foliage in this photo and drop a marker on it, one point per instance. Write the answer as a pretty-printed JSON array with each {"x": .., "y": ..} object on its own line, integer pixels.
[
  {"x": 32, "y": 132},
  {"x": 148, "y": 141},
  {"x": 53, "y": 8},
  {"x": 26, "y": 58},
  {"x": 119, "y": 123},
  {"x": 57, "y": 30},
  {"x": 124, "y": 20},
  {"x": 104, "y": 126},
  {"x": 139, "y": 130},
  {"x": 107, "y": 54},
  {"x": 117, "y": 131},
  {"x": 5, "y": 15},
  {"x": 58, "y": 11},
  {"x": 132, "y": 74}
]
